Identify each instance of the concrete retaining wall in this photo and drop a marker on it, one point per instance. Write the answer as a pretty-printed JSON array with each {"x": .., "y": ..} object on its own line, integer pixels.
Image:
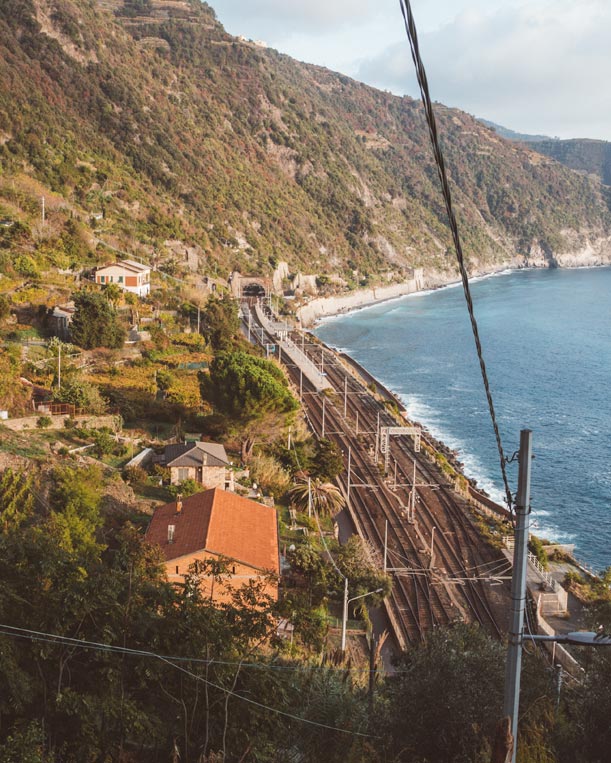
[{"x": 57, "y": 422}]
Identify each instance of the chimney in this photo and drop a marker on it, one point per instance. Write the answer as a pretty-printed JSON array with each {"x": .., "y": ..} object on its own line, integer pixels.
[
  {"x": 179, "y": 503},
  {"x": 171, "y": 529}
]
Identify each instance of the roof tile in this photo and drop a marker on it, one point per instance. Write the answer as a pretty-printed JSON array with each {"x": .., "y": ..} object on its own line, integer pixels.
[{"x": 220, "y": 522}]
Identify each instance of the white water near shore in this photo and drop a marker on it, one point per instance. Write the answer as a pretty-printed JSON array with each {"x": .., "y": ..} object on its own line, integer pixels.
[{"x": 547, "y": 342}]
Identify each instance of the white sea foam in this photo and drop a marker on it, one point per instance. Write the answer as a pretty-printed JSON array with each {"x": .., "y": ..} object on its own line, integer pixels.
[
  {"x": 565, "y": 425},
  {"x": 419, "y": 411}
]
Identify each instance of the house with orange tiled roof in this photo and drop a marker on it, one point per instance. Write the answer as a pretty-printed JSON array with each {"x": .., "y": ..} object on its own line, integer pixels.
[{"x": 213, "y": 525}]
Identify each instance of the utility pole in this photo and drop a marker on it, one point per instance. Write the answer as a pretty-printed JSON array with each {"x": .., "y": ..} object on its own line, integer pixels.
[
  {"x": 412, "y": 499},
  {"x": 324, "y": 400},
  {"x": 432, "y": 562},
  {"x": 43, "y": 215},
  {"x": 385, "y": 544},
  {"x": 59, "y": 366},
  {"x": 345, "y": 395},
  {"x": 309, "y": 497},
  {"x": 344, "y": 616},
  {"x": 518, "y": 589},
  {"x": 349, "y": 468},
  {"x": 377, "y": 438},
  {"x": 372, "y": 672},
  {"x": 288, "y": 446}
]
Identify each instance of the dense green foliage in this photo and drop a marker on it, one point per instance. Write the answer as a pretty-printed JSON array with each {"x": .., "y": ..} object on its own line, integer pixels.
[
  {"x": 244, "y": 386},
  {"x": 95, "y": 322},
  {"x": 252, "y": 393},
  {"x": 590, "y": 156},
  {"x": 13, "y": 395},
  {"x": 64, "y": 573},
  {"x": 173, "y": 130},
  {"x": 221, "y": 323},
  {"x": 74, "y": 572}
]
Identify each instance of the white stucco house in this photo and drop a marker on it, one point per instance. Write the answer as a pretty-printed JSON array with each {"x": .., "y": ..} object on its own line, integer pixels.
[{"x": 127, "y": 274}]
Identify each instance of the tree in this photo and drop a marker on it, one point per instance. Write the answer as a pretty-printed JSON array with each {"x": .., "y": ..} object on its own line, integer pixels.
[
  {"x": 79, "y": 393},
  {"x": 451, "y": 689},
  {"x": 13, "y": 395},
  {"x": 252, "y": 392},
  {"x": 16, "y": 499},
  {"x": 326, "y": 497},
  {"x": 221, "y": 322},
  {"x": 328, "y": 461},
  {"x": 95, "y": 322},
  {"x": 113, "y": 293}
]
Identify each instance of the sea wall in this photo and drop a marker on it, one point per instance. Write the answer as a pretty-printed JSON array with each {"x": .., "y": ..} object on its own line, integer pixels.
[
  {"x": 320, "y": 307},
  {"x": 592, "y": 253}
]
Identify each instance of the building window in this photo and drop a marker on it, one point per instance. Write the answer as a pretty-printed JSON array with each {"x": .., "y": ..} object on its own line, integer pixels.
[
  {"x": 177, "y": 569},
  {"x": 182, "y": 473},
  {"x": 102, "y": 279},
  {"x": 120, "y": 279}
]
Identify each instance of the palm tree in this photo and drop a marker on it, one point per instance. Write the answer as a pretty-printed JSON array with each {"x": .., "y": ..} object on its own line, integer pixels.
[{"x": 323, "y": 497}]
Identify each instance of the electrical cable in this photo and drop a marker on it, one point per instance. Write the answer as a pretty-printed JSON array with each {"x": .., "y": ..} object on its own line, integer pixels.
[
  {"x": 410, "y": 28},
  {"x": 68, "y": 641}
]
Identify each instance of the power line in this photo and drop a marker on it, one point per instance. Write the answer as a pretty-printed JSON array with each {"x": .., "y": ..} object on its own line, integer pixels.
[
  {"x": 410, "y": 28},
  {"x": 32, "y": 635},
  {"x": 10, "y": 630}
]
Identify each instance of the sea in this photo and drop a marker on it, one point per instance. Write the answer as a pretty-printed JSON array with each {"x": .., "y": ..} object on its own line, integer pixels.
[{"x": 546, "y": 337}]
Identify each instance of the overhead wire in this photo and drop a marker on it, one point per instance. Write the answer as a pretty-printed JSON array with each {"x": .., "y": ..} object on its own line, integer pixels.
[
  {"x": 171, "y": 661},
  {"x": 410, "y": 28}
]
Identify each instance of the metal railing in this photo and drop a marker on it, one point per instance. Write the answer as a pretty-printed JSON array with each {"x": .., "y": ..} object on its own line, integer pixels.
[{"x": 548, "y": 579}]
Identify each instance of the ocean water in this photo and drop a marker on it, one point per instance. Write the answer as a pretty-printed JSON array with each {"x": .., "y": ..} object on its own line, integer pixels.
[{"x": 546, "y": 336}]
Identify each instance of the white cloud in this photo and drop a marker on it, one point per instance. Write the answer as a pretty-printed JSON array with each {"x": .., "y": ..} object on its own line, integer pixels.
[
  {"x": 532, "y": 65},
  {"x": 540, "y": 67},
  {"x": 294, "y": 15}
]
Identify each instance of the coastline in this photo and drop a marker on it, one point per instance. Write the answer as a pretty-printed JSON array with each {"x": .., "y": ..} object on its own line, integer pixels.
[
  {"x": 385, "y": 387},
  {"x": 312, "y": 312}
]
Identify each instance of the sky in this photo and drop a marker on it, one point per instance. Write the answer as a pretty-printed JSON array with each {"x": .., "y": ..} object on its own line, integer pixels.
[{"x": 534, "y": 66}]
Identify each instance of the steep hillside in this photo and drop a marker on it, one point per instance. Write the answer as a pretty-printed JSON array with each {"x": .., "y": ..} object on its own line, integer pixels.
[
  {"x": 147, "y": 120},
  {"x": 505, "y": 132},
  {"x": 580, "y": 154},
  {"x": 591, "y": 156}
]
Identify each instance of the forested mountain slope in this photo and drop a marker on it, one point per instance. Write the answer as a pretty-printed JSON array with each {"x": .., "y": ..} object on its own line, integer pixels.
[
  {"x": 591, "y": 156},
  {"x": 152, "y": 115}
]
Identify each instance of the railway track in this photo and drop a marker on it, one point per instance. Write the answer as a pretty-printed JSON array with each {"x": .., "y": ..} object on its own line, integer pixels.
[{"x": 435, "y": 582}]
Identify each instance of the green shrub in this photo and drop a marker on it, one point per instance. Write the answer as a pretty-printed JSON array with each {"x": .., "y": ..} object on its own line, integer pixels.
[
  {"x": 104, "y": 442},
  {"x": 135, "y": 475},
  {"x": 536, "y": 547},
  {"x": 186, "y": 488},
  {"x": 44, "y": 422}
]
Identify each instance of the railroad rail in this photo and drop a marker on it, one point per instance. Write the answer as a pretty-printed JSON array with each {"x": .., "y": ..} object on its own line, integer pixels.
[{"x": 440, "y": 564}]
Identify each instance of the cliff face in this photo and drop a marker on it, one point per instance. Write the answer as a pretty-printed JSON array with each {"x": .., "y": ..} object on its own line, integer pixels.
[{"x": 147, "y": 116}]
